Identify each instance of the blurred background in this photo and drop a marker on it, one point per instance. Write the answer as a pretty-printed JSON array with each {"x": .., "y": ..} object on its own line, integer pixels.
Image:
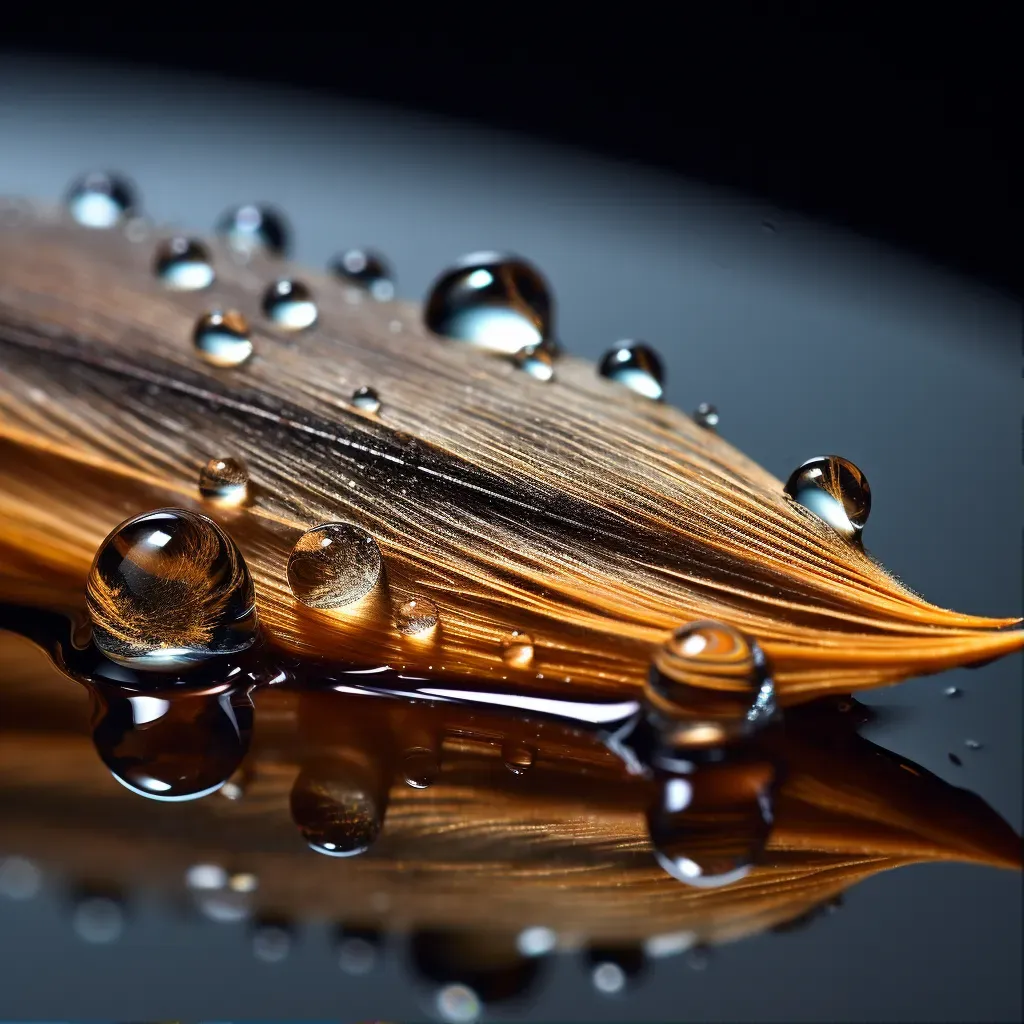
[{"x": 808, "y": 213}]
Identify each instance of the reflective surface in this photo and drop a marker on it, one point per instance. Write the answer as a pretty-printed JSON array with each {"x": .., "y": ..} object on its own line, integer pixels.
[{"x": 794, "y": 309}]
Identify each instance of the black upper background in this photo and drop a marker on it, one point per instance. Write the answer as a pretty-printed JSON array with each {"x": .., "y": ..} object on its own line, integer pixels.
[{"x": 901, "y": 126}]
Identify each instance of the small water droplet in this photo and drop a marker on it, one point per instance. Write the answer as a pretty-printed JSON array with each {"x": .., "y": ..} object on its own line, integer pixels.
[
  {"x": 183, "y": 264},
  {"x": 835, "y": 490},
  {"x": 338, "y": 807},
  {"x": 613, "y": 968},
  {"x": 222, "y": 338},
  {"x": 536, "y": 941},
  {"x": 100, "y": 199},
  {"x": 420, "y": 767},
  {"x": 517, "y": 649},
  {"x": 271, "y": 941},
  {"x": 956, "y": 760},
  {"x": 180, "y": 749},
  {"x": 709, "y": 828},
  {"x": 416, "y": 616},
  {"x": 706, "y": 415},
  {"x": 358, "y": 949},
  {"x": 206, "y": 877},
  {"x": 635, "y": 365},
  {"x": 366, "y": 400},
  {"x": 253, "y": 228},
  {"x": 334, "y": 565},
  {"x": 290, "y": 305},
  {"x": 536, "y": 360},
  {"x": 224, "y": 482},
  {"x": 458, "y": 1004},
  {"x": 518, "y": 758},
  {"x": 953, "y": 691},
  {"x": 98, "y": 920},
  {"x": 709, "y": 682},
  {"x": 973, "y": 745},
  {"x": 20, "y": 878},
  {"x": 367, "y": 270},
  {"x": 168, "y": 589},
  {"x": 497, "y": 301}
]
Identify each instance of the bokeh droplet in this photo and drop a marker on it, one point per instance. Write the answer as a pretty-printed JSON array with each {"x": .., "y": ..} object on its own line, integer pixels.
[
  {"x": 253, "y": 228},
  {"x": 100, "y": 199},
  {"x": 183, "y": 264},
  {"x": 289, "y": 304},
  {"x": 636, "y": 366},
  {"x": 367, "y": 270}
]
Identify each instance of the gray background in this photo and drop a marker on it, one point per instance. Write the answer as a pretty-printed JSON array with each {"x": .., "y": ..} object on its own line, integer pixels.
[{"x": 807, "y": 340}]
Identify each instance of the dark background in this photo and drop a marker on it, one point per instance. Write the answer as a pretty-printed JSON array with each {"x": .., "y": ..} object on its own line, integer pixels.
[{"x": 901, "y": 124}]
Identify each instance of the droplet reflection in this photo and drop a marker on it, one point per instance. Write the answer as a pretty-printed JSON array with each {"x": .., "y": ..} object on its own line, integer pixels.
[
  {"x": 835, "y": 490},
  {"x": 334, "y": 565}
]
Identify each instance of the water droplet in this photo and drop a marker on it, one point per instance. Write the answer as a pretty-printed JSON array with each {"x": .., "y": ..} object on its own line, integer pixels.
[
  {"x": 835, "y": 490},
  {"x": 518, "y": 758},
  {"x": 206, "y": 877},
  {"x": 420, "y": 767},
  {"x": 366, "y": 400},
  {"x": 100, "y": 199},
  {"x": 458, "y": 1004},
  {"x": 956, "y": 760},
  {"x": 973, "y": 745},
  {"x": 366, "y": 269},
  {"x": 416, "y": 616},
  {"x": 183, "y": 264},
  {"x": 334, "y": 565},
  {"x": 536, "y": 941},
  {"x": 339, "y": 807},
  {"x": 20, "y": 878},
  {"x": 536, "y": 360},
  {"x": 613, "y": 968},
  {"x": 98, "y": 920},
  {"x": 290, "y": 305},
  {"x": 271, "y": 941},
  {"x": 517, "y": 649},
  {"x": 222, "y": 337},
  {"x": 706, "y": 416},
  {"x": 497, "y": 301},
  {"x": 178, "y": 749},
  {"x": 359, "y": 950},
  {"x": 255, "y": 228},
  {"x": 635, "y": 365},
  {"x": 953, "y": 691},
  {"x": 709, "y": 828},
  {"x": 710, "y": 683},
  {"x": 168, "y": 589},
  {"x": 224, "y": 482}
]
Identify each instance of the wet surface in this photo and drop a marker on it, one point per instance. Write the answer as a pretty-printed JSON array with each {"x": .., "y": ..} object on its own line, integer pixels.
[{"x": 506, "y": 869}]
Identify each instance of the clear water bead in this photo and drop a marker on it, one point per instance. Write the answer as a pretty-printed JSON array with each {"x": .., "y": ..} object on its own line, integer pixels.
[
  {"x": 835, "y": 490},
  {"x": 222, "y": 338},
  {"x": 636, "y": 366},
  {"x": 183, "y": 264},
  {"x": 334, "y": 565},
  {"x": 100, "y": 199}
]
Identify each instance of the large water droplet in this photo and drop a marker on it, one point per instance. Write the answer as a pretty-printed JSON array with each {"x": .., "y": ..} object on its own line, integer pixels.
[
  {"x": 290, "y": 305},
  {"x": 365, "y": 269},
  {"x": 416, "y": 617},
  {"x": 180, "y": 748},
  {"x": 709, "y": 682},
  {"x": 222, "y": 338},
  {"x": 168, "y": 589},
  {"x": 835, "y": 490},
  {"x": 255, "y": 228},
  {"x": 494, "y": 300},
  {"x": 183, "y": 264},
  {"x": 100, "y": 199},
  {"x": 366, "y": 400},
  {"x": 518, "y": 757},
  {"x": 420, "y": 767},
  {"x": 334, "y": 565},
  {"x": 635, "y": 365},
  {"x": 706, "y": 415},
  {"x": 710, "y": 828},
  {"x": 538, "y": 361},
  {"x": 517, "y": 649},
  {"x": 339, "y": 806},
  {"x": 224, "y": 482}
]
